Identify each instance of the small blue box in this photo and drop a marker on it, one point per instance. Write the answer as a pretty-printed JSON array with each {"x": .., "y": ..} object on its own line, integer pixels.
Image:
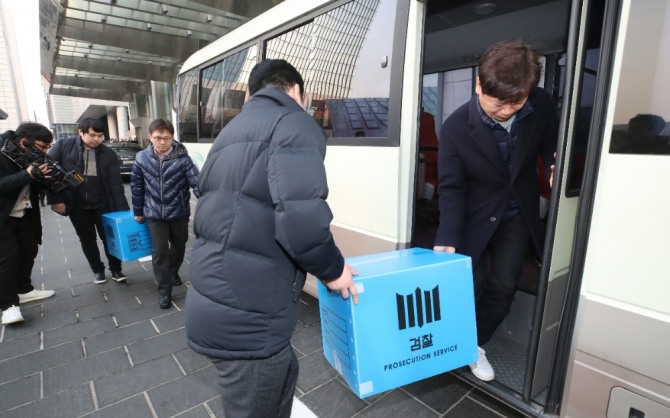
[
  {"x": 127, "y": 239},
  {"x": 415, "y": 319}
]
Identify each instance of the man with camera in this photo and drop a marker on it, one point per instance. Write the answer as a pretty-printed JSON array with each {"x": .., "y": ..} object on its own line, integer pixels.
[
  {"x": 20, "y": 221},
  {"x": 101, "y": 192}
]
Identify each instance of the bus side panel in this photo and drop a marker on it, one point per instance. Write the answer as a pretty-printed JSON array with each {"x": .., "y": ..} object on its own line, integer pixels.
[{"x": 623, "y": 323}]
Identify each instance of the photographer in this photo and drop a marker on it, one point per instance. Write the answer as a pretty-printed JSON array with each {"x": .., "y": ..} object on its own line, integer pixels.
[{"x": 20, "y": 222}]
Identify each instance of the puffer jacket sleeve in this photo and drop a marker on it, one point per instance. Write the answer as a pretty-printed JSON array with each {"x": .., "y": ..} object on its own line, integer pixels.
[
  {"x": 137, "y": 184},
  {"x": 191, "y": 173},
  {"x": 297, "y": 180}
]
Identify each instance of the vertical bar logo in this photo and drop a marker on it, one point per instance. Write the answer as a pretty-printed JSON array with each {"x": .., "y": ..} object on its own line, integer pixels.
[{"x": 418, "y": 308}]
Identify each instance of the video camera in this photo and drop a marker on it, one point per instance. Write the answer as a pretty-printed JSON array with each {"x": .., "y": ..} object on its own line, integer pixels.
[{"x": 59, "y": 179}]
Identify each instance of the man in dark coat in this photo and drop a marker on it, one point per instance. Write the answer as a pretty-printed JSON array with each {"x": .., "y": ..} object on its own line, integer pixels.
[
  {"x": 20, "y": 221},
  {"x": 163, "y": 175},
  {"x": 261, "y": 223},
  {"x": 101, "y": 192},
  {"x": 488, "y": 182}
]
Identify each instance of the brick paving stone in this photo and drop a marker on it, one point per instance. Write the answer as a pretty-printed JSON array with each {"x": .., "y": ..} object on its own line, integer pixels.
[
  {"x": 84, "y": 370},
  {"x": 78, "y": 330},
  {"x": 68, "y": 403},
  {"x": 134, "y": 407},
  {"x": 184, "y": 393},
  {"x": 157, "y": 346},
  {"x": 118, "y": 337},
  {"x": 140, "y": 378},
  {"x": 19, "y": 392},
  {"x": 41, "y": 360}
]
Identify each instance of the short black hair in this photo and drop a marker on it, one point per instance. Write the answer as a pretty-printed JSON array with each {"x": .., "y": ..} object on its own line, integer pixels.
[
  {"x": 509, "y": 70},
  {"x": 161, "y": 125},
  {"x": 275, "y": 73},
  {"x": 95, "y": 124},
  {"x": 34, "y": 132}
]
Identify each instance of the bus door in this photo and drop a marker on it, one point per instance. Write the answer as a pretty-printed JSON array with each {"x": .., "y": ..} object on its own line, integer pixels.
[{"x": 523, "y": 349}]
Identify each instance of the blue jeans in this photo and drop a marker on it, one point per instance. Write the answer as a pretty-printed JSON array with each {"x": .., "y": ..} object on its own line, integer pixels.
[
  {"x": 258, "y": 388},
  {"x": 496, "y": 275}
]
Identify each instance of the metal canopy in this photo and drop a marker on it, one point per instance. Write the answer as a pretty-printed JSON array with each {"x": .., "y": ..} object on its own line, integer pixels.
[{"x": 112, "y": 49}]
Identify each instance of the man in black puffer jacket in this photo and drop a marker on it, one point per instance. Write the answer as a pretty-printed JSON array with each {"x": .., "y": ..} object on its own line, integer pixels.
[
  {"x": 261, "y": 223},
  {"x": 163, "y": 175}
]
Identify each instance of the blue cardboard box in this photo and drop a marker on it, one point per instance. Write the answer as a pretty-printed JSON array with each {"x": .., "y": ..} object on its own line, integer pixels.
[
  {"x": 415, "y": 319},
  {"x": 127, "y": 239}
]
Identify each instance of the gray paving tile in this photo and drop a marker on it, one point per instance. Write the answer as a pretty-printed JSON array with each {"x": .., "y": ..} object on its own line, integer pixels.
[
  {"x": 19, "y": 346},
  {"x": 84, "y": 370},
  {"x": 139, "y": 313},
  {"x": 69, "y": 403},
  {"x": 468, "y": 408},
  {"x": 309, "y": 310},
  {"x": 191, "y": 361},
  {"x": 199, "y": 411},
  {"x": 78, "y": 330},
  {"x": 171, "y": 321},
  {"x": 439, "y": 392},
  {"x": 483, "y": 399},
  {"x": 396, "y": 404},
  {"x": 216, "y": 406},
  {"x": 321, "y": 401},
  {"x": 19, "y": 392},
  {"x": 308, "y": 340},
  {"x": 40, "y": 360},
  {"x": 157, "y": 346},
  {"x": 65, "y": 301},
  {"x": 118, "y": 337},
  {"x": 184, "y": 393},
  {"x": 314, "y": 371},
  {"x": 134, "y": 407},
  {"x": 107, "y": 308},
  {"x": 140, "y": 378}
]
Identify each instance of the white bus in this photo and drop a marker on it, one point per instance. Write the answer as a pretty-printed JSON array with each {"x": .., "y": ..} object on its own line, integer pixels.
[{"x": 589, "y": 332}]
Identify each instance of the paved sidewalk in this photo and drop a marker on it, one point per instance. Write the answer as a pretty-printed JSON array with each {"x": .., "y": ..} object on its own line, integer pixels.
[{"x": 109, "y": 351}]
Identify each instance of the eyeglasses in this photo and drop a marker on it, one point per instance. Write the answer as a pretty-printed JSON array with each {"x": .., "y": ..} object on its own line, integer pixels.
[
  {"x": 42, "y": 147},
  {"x": 162, "y": 138}
]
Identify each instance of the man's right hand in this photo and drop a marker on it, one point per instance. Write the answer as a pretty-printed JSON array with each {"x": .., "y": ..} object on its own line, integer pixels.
[
  {"x": 444, "y": 249},
  {"x": 345, "y": 283},
  {"x": 58, "y": 208}
]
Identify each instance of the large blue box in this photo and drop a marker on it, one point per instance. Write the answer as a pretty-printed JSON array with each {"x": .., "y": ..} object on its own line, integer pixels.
[
  {"x": 127, "y": 239},
  {"x": 415, "y": 319}
]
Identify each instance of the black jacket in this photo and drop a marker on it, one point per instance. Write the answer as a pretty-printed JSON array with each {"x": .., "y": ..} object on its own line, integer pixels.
[
  {"x": 475, "y": 185},
  {"x": 12, "y": 180},
  {"x": 70, "y": 153},
  {"x": 161, "y": 188},
  {"x": 261, "y": 223}
]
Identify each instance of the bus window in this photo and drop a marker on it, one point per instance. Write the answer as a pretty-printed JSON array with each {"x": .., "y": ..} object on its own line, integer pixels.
[
  {"x": 642, "y": 105},
  {"x": 188, "y": 106},
  {"x": 223, "y": 90},
  {"x": 345, "y": 58}
]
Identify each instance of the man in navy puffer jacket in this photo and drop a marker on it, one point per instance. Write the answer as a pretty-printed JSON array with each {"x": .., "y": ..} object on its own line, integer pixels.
[
  {"x": 162, "y": 177},
  {"x": 261, "y": 224}
]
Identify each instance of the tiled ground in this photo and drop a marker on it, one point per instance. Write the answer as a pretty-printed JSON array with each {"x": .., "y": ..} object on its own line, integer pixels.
[{"x": 109, "y": 351}]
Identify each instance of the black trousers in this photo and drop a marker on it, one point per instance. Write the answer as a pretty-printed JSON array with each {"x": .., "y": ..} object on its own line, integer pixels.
[
  {"x": 168, "y": 245},
  {"x": 18, "y": 249},
  {"x": 496, "y": 275},
  {"x": 86, "y": 222},
  {"x": 259, "y": 388}
]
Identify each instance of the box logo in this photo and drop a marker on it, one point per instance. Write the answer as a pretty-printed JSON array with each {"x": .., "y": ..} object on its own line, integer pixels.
[{"x": 418, "y": 308}]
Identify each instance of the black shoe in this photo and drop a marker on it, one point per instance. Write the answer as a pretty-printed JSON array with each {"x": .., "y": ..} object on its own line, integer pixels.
[
  {"x": 118, "y": 276},
  {"x": 100, "y": 277},
  {"x": 164, "y": 302},
  {"x": 176, "y": 280}
]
